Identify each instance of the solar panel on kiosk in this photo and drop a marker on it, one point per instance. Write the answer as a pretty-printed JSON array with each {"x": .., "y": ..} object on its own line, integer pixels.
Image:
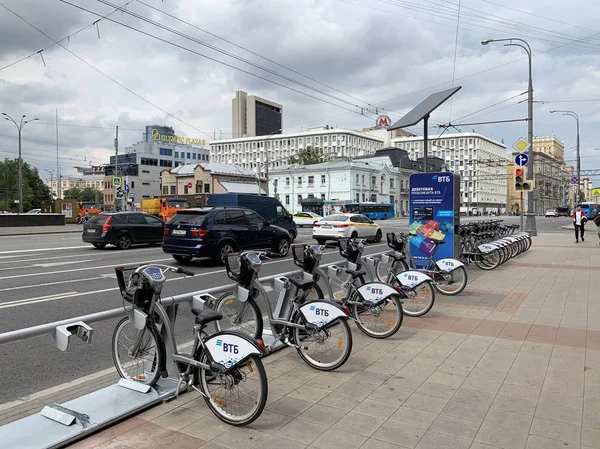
[{"x": 424, "y": 108}]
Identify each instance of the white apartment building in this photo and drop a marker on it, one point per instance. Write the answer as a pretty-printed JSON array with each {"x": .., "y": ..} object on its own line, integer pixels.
[
  {"x": 480, "y": 162},
  {"x": 330, "y": 181},
  {"x": 254, "y": 152},
  {"x": 81, "y": 182}
]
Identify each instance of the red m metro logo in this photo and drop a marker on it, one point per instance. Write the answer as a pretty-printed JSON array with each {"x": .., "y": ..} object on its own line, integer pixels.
[{"x": 383, "y": 121}]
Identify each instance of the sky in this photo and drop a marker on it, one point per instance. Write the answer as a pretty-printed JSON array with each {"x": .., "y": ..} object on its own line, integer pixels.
[{"x": 329, "y": 62}]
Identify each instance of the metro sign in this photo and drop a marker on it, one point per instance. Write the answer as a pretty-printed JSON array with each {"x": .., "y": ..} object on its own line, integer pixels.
[{"x": 383, "y": 121}]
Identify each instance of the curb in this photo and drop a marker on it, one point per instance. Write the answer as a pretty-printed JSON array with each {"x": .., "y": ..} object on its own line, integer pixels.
[{"x": 38, "y": 233}]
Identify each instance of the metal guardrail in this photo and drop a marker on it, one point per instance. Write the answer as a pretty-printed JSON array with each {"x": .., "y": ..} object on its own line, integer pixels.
[{"x": 59, "y": 424}]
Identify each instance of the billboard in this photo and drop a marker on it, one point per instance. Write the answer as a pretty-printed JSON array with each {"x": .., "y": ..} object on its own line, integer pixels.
[{"x": 434, "y": 215}]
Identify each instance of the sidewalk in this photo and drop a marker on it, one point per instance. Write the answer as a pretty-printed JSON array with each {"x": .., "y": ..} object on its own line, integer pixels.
[
  {"x": 29, "y": 230},
  {"x": 513, "y": 362}
]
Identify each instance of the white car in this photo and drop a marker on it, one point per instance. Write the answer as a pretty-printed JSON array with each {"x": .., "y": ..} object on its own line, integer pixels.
[
  {"x": 306, "y": 218},
  {"x": 337, "y": 226},
  {"x": 551, "y": 213}
]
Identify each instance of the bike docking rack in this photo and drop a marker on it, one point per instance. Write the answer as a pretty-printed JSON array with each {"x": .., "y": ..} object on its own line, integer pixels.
[{"x": 59, "y": 424}]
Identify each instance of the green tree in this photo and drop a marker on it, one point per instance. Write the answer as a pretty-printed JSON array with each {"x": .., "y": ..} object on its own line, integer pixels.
[
  {"x": 85, "y": 194},
  {"x": 35, "y": 191},
  {"x": 308, "y": 156}
]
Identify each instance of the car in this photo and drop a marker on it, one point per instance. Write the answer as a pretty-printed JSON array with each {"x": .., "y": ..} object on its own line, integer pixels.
[
  {"x": 306, "y": 218},
  {"x": 216, "y": 231},
  {"x": 123, "y": 229},
  {"x": 551, "y": 213},
  {"x": 337, "y": 226},
  {"x": 34, "y": 211}
]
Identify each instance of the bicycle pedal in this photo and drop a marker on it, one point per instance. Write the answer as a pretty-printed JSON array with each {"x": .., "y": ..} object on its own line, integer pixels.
[{"x": 286, "y": 341}]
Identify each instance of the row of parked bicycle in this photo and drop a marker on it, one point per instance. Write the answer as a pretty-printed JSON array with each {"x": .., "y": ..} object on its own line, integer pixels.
[{"x": 225, "y": 367}]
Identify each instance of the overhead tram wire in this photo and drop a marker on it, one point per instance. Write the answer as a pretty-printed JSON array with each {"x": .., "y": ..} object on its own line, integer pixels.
[
  {"x": 66, "y": 38},
  {"x": 100, "y": 71},
  {"x": 218, "y": 61},
  {"x": 232, "y": 55},
  {"x": 253, "y": 52}
]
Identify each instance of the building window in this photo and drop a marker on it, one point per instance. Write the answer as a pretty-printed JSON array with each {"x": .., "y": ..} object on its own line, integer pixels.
[
  {"x": 374, "y": 181},
  {"x": 311, "y": 180},
  {"x": 173, "y": 192},
  {"x": 287, "y": 200},
  {"x": 391, "y": 183},
  {"x": 299, "y": 180},
  {"x": 358, "y": 197},
  {"x": 287, "y": 182},
  {"x": 165, "y": 190},
  {"x": 185, "y": 189},
  {"x": 206, "y": 188},
  {"x": 299, "y": 199},
  {"x": 176, "y": 154},
  {"x": 166, "y": 152},
  {"x": 323, "y": 196},
  {"x": 193, "y": 155},
  {"x": 363, "y": 180},
  {"x": 322, "y": 179}
]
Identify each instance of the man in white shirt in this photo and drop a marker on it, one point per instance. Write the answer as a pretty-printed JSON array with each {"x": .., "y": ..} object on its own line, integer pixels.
[{"x": 579, "y": 220}]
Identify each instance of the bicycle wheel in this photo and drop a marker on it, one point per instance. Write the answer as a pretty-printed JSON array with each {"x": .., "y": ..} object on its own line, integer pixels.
[
  {"x": 488, "y": 261},
  {"x": 314, "y": 293},
  {"x": 419, "y": 300},
  {"x": 142, "y": 366},
  {"x": 326, "y": 348},
  {"x": 390, "y": 269},
  {"x": 379, "y": 321},
  {"x": 238, "y": 396},
  {"x": 451, "y": 283},
  {"x": 244, "y": 317}
]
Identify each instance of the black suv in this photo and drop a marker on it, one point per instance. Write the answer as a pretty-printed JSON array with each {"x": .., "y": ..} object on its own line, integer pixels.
[
  {"x": 216, "y": 231},
  {"x": 123, "y": 229}
]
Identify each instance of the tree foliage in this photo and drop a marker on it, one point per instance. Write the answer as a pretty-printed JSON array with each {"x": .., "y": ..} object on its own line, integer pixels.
[
  {"x": 35, "y": 191},
  {"x": 85, "y": 194},
  {"x": 308, "y": 156}
]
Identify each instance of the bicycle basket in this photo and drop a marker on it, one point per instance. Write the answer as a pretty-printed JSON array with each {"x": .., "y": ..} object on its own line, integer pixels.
[
  {"x": 233, "y": 265},
  {"x": 347, "y": 251},
  {"x": 397, "y": 244},
  {"x": 135, "y": 293},
  {"x": 302, "y": 259}
]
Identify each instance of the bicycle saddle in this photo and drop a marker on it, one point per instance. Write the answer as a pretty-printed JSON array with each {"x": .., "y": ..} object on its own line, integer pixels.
[
  {"x": 301, "y": 283},
  {"x": 356, "y": 273},
  {"x": 205, "y": 316}
]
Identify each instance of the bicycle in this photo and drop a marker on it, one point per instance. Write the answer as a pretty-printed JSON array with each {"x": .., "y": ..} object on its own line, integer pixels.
[
  {"x": 317, "y": 329},
  {"x": 449, "y": 275},
  {"x": 375, "y": 307},
  {"x": 225, "y": 368}
]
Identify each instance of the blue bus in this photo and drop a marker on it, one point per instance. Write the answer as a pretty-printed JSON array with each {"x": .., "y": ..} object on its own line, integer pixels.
[
  {"x": 588, "y": 207},
  {"x": 375, "y": 211}
]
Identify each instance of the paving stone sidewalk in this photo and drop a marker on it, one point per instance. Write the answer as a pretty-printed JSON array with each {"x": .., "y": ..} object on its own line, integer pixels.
[{"x": 513, "y": 362}]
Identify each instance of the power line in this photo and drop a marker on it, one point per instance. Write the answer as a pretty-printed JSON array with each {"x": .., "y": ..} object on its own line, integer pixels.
[{"x": 97, "y": 69}]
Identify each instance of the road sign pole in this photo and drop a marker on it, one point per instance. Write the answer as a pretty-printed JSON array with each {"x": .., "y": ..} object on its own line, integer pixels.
[{"x": 521, "y": 210}]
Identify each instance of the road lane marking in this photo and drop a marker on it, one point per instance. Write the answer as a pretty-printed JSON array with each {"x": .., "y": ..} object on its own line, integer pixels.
[
  {"x": 67, "y": 247},
  {"x": 21, "y": 287},
  {"x": 29, "y": 301},
  {"x": 79, "y": 269},
  {"x": 57, "y": 264}
]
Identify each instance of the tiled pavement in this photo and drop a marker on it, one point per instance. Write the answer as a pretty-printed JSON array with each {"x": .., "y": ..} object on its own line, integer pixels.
[{"x": 513, "y": 362}]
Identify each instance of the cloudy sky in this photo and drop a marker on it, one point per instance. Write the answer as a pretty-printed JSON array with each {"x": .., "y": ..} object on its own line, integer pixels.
[{"x": 323, "y": 60}]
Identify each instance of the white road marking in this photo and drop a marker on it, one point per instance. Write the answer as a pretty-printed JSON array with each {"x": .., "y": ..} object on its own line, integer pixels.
[
  {"x": 28, "y": 301},
  {"x": 42, "y": 249},
  {"x": 57, "y": 264},
  {"x": 79, "y": 269},
  {"x": 21, "y": 287}
]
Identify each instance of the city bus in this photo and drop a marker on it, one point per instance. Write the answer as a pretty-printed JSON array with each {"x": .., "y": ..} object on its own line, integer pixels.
[
  {"x": 588, "y": 207},
  {"x": 375, "y": 211}
]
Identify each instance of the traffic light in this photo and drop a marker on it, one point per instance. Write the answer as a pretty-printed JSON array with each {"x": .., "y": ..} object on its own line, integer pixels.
[
  {"x": 119, "y": 192},
  {"x": 521, "y": 182}
]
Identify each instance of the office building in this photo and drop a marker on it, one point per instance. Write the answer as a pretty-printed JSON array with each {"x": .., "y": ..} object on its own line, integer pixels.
[
  {"x": 254, "y": 116},
  {"x": 479, "y": 160},
  {"x": 255, "y": 152}
]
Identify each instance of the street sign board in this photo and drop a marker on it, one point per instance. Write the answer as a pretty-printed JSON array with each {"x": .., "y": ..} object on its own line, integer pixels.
[
  {"x": 596, "y": 192},
  {"x": 116, "y": 181},
  {"x": 189, "y": 185},
  {"x": 126, "y": 187},
  {"x": 521, "y": 145},
  {"x": 132, "y": 195},
  {"x": 521, "y": 159},
  {"x": 574, "y": 179}
]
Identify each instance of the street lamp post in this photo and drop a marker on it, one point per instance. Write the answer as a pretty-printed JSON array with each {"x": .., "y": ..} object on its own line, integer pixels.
[
  {"x": 530, "y": 224},
  {"x": 19, "y": 126},
  {"x": 266, "y": 164},
  {"x": 576, "y": 117}
]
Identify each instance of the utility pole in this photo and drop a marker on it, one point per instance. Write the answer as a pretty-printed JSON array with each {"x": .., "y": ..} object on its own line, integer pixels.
[
  {"x": 57, "y": 163},
  {"x": 116, "y": 167}
]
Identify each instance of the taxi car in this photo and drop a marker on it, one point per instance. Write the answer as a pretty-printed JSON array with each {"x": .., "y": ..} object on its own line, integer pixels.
[
  {"x": 339, "y": 226},
  {"x": 306, "y": 218}
]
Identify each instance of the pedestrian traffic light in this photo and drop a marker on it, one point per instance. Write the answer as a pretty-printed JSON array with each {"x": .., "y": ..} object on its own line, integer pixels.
[
  {"x": 521, "y": 182},
  {"x": 119, "y": 192}
]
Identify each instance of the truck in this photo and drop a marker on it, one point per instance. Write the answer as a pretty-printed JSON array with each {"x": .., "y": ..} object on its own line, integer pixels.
[
  {"x": 268, "y": 207},
  {"x": 164, "y": 208},
  {"x": 86, "y": 209}
]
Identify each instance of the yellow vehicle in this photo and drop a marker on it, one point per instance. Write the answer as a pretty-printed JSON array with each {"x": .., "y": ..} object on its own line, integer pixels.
[{"x": 164, "y": 208}]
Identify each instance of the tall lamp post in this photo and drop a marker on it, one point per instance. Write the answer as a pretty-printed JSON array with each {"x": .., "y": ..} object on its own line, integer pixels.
[
  {"x": 266, "y": 164},
  {"x": 576, "y": 117},
  {"x": 19, "y": 126},
  {"x": 530, "y": 225}
]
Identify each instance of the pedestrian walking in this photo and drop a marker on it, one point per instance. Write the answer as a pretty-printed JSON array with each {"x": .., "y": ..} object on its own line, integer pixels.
[
  {"x": 579, "y": 220},
  {"x": 597, "y": 223}
]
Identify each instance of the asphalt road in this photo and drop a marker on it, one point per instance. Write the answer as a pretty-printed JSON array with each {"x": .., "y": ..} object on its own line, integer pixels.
[{"x": 45, "y": 278}]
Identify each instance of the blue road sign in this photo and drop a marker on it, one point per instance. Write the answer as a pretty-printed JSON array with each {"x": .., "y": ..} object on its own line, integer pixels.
[
  {"x": 126, "y": 187},
  {"x": 521, "y": 159},
  {"x": 574, "y": 179}
]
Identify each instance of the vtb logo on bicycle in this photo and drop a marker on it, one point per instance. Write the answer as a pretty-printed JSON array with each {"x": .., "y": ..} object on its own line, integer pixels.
[
  {"x": 320, "y": 312},
  {"x": 228, "y": 347}
]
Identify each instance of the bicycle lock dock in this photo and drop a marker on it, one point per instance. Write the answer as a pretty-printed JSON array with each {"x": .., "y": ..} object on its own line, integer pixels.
[{"x": 59, "y": 424}]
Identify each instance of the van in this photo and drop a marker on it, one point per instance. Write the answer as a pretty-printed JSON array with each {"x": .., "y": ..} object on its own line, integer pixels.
[{"x": 269, "y": 208}]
